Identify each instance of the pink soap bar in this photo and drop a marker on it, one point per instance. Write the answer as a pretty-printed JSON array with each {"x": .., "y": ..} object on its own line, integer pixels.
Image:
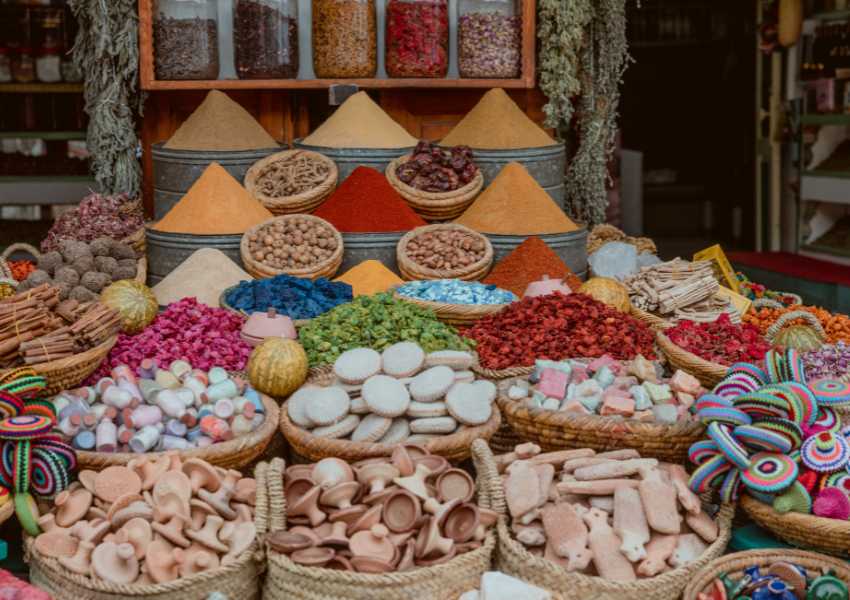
[
  {"x": 685, "y": 383},
  {"x": 553, "y": 383},
  {"x": 575, "y": 406},
  {"x": 686, "y": 400},
  {"x": 579, "y": 375},
  {"x": 613, "y": 404},
  {"x": 603, "y": 361}
]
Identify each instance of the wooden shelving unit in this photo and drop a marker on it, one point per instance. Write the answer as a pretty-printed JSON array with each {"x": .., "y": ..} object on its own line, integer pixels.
[{"x": 41, "y": 88}]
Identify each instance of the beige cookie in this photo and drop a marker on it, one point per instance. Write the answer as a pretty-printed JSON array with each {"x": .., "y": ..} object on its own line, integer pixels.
[
  {"x": 432, "y": 384},
  {"x": 420, "y": 439},
  {"x": 403, "y": 359},
  {"x": 433, "y": 425},
  {"x": 470, "y": 403},
  {"x": 456, "y": 359},
  {"x": 296, "y": 406},
  {"x": 357, "y": 365},
  {"x": 487, "y": 389},
  {"x": 386, "y": 396},
  {"x": 464, "y": 376},
  {"x": 421, "y": 410},
  {"x": 398, "y": 432},
  {"x": 351, "y": 389},
  {"x": 328, "y": 406},
  {"x": 359, "y": 407},
  {"x": 338, "y": 430},
  {"x": 371, "y": 429}
]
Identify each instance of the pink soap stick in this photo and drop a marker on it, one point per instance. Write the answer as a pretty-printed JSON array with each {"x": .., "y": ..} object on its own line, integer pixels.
[
  {"x": 147, "y": 414},
  {"x": 223, "y": 408},
  {"x": 147, "y": 368},
  {"x": 89, "y": 420},
  {"x": 110, "y": 413},
  {"x": 123, "y": 372},
  {"x": 125, "y": 434},
  {"x": 103, "y": 384},
  {"x": 106, "y": 436},
  {"x": 127, "y": 417}
]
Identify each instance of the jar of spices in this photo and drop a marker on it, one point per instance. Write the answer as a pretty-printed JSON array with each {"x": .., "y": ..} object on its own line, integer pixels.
[
  {"x": 344, "y": 39},
  {"x": 5, "y": 65},
  {"x": 265, "y": 37},
  {"x": 417, "y": 38},
  {"x": 47, "y": 65},
  {"x": 23, "y": 65},
  {"x": 185, "y": 34},
  {"x": 489, "y": 39}
]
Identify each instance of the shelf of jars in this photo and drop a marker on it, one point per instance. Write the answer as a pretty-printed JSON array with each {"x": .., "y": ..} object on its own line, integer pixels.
[{"x": 289, "y": 44}]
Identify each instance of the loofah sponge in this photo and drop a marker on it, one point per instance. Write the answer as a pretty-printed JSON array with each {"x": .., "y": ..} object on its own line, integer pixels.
[
  {"x": 120, "y": 250},
  {"x": 794, "y": 499},
  {"x": 832, "y": 503},
  {"x": 101, "y": 246},
  {"x": 71, "y": 250},
  {"x": 49, "y": 262},
  {"x": 95, "y": 281},
  {"x": 38, "y": 277},
  {"x": 81, "y": 294},
  {"x": 105, "y": 264},
  {"x": 64, "y": 288},
  {"x": 83, "y": 265},
  {"x": 124, "y": 273},
  {"x": 67, "y": 275}
]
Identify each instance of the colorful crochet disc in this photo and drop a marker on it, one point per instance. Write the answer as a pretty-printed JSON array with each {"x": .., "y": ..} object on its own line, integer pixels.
[
  {"x": 825, "y": 452},
  {"x": 731, "y": 486},
  {"x": 41, "y": 407},
  {"x": 709, "y": 474},
  {"x": 10, "y": 405},
  {"x": 761, "y": 405},
  {"x": 61, "y": 450},
  {"x": 17, "y": 374},
  {"x": 711, "y": 401},
  {"x": 736, "y": 384},
  {"x": 24, "y": 427},
  {"x": 753, "y": 371},
  {"x": 770, "y": 472},
  {"x": 762, "y": 440},
  {"x": 26, "y": 388},
  {"x": 840, "y": 480},
  {"x": 762, "y": 497},
  {"x": 795, "y": 370},
  {"x": 49, "y": 475},
  {"x": 724, "y": 414},
  {"x": 701, "y": 451},
  {"x": 791, "y": 430},
  {"x": 22, "y": 466},
  {"x": 827, "y": 420},
  {"x": 774, "y": 363},
  {"x": 5, "y": 495},
  {"x": 808, "y": 399},
  {"x": 831, "y": 392},
  {"x": 730, "y": 447}
]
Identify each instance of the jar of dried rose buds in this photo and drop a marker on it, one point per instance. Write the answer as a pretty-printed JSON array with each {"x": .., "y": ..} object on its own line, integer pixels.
[
  {"x": 344, "y": 38},
  {"x": 417, "y": 38},
  {"x": 489, "y": 39}
]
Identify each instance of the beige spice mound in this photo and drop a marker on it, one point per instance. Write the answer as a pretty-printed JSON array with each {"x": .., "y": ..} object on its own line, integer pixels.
[
  {"x": 360, "y": 123},
  {"x": 497, "y": 123},
  {"x": 219, "y": 123},
  {"x": 204, "y": 275}
]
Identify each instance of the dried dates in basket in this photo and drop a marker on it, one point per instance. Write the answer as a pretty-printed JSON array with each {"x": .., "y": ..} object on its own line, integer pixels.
[{"x": 435, "y": 169}]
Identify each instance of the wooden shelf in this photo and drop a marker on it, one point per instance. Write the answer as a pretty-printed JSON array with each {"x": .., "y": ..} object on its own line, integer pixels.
[
  {"x": 6, "y": 179},
  {"x": 832, "y": 15},
  {"x": 41, "y": 88},
  {"x": 44, "y": 135},
  {"x": 830, "y": 119}
]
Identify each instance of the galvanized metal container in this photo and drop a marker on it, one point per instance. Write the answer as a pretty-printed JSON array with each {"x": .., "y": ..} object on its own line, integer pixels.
[
  {"x": 167, "y": 250},
  {"x": 348, "y": 159},
  {"x": 174, "y": 171},
  {"x": 358, "y": 247},
  {"x": 571, "y": 247}
]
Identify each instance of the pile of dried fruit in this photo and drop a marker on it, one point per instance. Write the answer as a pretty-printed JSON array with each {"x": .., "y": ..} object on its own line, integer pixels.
[
  {"x": 292, "y": 242},
  {"x": 96, "y": 216},
  {"x": 835, "y": 325},
  {"x": 556, "y": 327},
  {"x": 434, "y": 169},
  {"x": 21, "y": 269},
  {"x": 722, "y": 341}
]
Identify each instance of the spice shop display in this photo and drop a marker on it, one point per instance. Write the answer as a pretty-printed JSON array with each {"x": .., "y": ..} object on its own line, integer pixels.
[
  {"x": 608, "y": 291},
  {"x": 344, "y": 39},
  {"x": 445, "y": 251},
  {"x": 265, "y": 39},
  {"x": 292, "y": 181},
  {"x": 369, "y": 277},
  {"x": 20, "y": 269},
  {"x": 757, "y": 291},
  {"x": 185, "y": 37},
  {"x": 836, "y": 326},
  {"x": 96, "y": 216},
  {"x": 220, "y": 124},
  {"x": 613, "y": 515},
  {"x": 277, "y": 366},
  {"x": 359, "y": 122},
  {"x": 720, "y": 341},
  {"x": 299, "y": 245},
  {"x": 204, "y": 276},
  {"x": 400, "y": 395},
  {"x": 80, "y": 270},
  {"x": 557, "y": 327},
  {"x": 378, "y": 322},
  {"x": 417, "y": 38},
  {"x": 489, "y": 39},
  {"x": 605, "y": 233},
  {"x": 294, "y": 297},
  {"x": 800, "y": 330},
  {"x": 158, "y": 408},
  {"x": 529, "y": 262}
]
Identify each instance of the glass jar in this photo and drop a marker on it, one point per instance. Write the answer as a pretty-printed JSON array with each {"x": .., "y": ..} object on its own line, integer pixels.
[
  {"x": 344, "y": 39},
  {"x": 185, "y": 34},
  {"x": 265, "y": 38},
  {"x": 417, "y": 38},
  {"x": 23, "y": 65},
  {"x": 47, "y": 65},
  {"x": 489, "y": 39},
  {"x": 5, "y": 65}
]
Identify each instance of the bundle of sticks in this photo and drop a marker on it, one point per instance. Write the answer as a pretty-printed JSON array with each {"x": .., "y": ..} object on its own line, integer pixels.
[
  {"x": 35, "y": 327},
  {"x": 667, "y": 287}
]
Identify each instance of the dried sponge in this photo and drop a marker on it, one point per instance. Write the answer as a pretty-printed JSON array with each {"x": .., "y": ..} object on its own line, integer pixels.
[
  {"x": 64, "y": 288},
  {"x": 124, "y": 273},
  {"x": 71, "y": 250},
  {"x": 119, "y": 250},
  {"x": 49, "y": 262},
  {"x": 38, "y": 277},
  {"x": 105, "y": 264},
  {"x": 95, "y": 281},
  {"x": 83, "y": 265},
  {"x": 101, "y": 246},
  {"x": 67, "y": 275},
  {"x": 128, "y": 262},
  {"x": 81, "y": 294}
]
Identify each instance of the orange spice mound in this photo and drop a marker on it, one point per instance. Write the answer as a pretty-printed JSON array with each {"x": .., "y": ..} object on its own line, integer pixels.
[
  {"x": 216, "y": 204},
  {"x": 835, "y": 325},
  {"x": 528, "y": 262}
]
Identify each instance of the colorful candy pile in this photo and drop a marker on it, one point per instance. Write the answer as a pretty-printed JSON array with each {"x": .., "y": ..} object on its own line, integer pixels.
[
  {"x": 776, "y": 435},
  {"x": 828, "y": 361},
  {"x": 721, "y": 341}
]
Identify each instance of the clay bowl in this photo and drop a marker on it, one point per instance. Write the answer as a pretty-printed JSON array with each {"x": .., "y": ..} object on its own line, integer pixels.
[
  {"x": 313, "y": 557},
  {"x": 401, "y": 511},
  {"x": 287, "y": 542},
  {"x": 455, "y": 483},
  {"x": 461, "y": 522}
]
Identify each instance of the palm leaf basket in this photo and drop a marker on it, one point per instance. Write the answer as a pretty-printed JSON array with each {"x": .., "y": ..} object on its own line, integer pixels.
[
  {"x": 708, "y": 373},
  {"x": 240, "y": 579},
  {"x": 650, "y": 320},
  {"x": 412, "y": 270},
  {"x": 286, "y": 580},
  {"x": 304, "y": 202},
  {"x": 435, "y": 206}
]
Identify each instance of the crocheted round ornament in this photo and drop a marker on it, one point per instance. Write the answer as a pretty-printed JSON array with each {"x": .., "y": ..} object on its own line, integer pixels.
[
  {"x": 24, "y": 427},
  {"x": 827, "y": 420},
  {"x": 26, "y": 387},
  {"x": 760, "y": 405},
  {"x": 701, "y": 451},
  {"x": 808, "y": 479},
  {"x": 762, "y": 440},
  {"x": 774, "y": 364},
  {"x": 60, "y": 449},
  {"x": 794, "y": 499},
  {"x": 795, "y": 369},
  {"x": 807, "y": 399},
  {"x": 41, "y": 407},
  {"x": 840, "y": 480},
  {"x": 5, "y": 495},
  {"x": 724, "y": 414},
  {"x": 751, "y": 370},
  {"x": 709, "y": 474},
  {"x": 735, "y": 384},
  {"x": 731, "y": 486},
  {"x": 49, "y": 474},
  {"x": 831, "y": 392},
  {"x": 711, "y": 401},
  {"x": 769, "y": 472},
  {"x": 734, "y": 452},
  {"x": 10, "y": 405},
  {"x": 825, "y": 452},
  {"x": 21, "y": 466},
  {"x": 791, "y": 430}
]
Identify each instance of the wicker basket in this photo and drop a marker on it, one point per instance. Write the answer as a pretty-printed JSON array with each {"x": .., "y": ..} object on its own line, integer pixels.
[
  {"x": 233, "y": 454},
  {"x": 789, "y": 317},
  {"x": 287, "y": 580},
  {"x": 137, "y": 241},
  {"x": 239, "y": 580},
  {"x": 734, "y": 565},
  {"x": 306, "y": 446},
  {"x": 512, "y": 558},
  {"x": 327, "y": 268},
  {"x": 650, "y": 320},
  {"x": 304, "y": 202},
  {"x": 708, "y": 373},
  {"x": 810, "y": 532},
  {"x": 431, "y": 206},
  {"x": 499, "y": 374},
  {"x": 460, "y": 315},
  {"x": 67, "y": 373},
  {"x": 412, "y": 271},
  {"x": 560, "y": 430}
]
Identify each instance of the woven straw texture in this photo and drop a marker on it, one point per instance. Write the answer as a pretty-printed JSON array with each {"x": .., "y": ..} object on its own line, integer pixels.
[
  {"x": 734, "y": 565},
  {"x": 512, "y": 558},
  {"x": 237, "y": 581},
  {"x": 286, "y": 580},
  {"x": 505, "y": 439},
  {"x": 810, "y": 532},
  {"x": 137, "y": 241},
  {"x": 443, "y": 206},
  {"x": 304, "y": 202},
  {"x": 223, "y": 303},
  {"x": 461, "y": 315},
  {"x": 233, "y": 454},
  {"x": 68, "y": 373},
  {"x": 786, "y": 318},
  {"x": 502, "y": 373},
  {"x": 708, "y": 373},
  {"x": 561, "y": 430},
  {"x": 454, "y": 446},
  {"x": 411, "y": 270},
  {"x": 650, "y": 320},
  {"x": 7, "y": 510},
  {"x": 326, "y": 268}
]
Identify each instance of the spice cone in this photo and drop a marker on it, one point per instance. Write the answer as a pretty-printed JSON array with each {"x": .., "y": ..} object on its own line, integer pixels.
[
  {"x": 360, "y": 123},
  {"x": 528, "y": 262},
  {"x": 369, "y": 277}
]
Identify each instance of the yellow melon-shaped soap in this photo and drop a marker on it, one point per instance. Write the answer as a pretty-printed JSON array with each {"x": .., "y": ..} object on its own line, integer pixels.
[
  {"x": 277, "y": 367},
  {"x": 608, "y": 291},
  {"x": 134, "y": 301}
]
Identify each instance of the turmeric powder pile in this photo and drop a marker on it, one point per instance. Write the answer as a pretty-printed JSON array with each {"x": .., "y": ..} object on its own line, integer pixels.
[{"x": 369, "y": 277}]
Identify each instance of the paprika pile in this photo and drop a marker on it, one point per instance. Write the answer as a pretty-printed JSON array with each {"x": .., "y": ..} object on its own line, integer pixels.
[
  {"x": 556, "y": 327},
  {"x": 528, "y": 262},
  {"x": 722, "y": 341}
]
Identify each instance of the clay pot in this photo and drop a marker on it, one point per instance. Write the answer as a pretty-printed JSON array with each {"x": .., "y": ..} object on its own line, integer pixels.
[
  {"x": 172, "y": 531},
  {"x": 208, "y": 535},
  {"x": 341, "y": 495},
  {"x": 339, "y": 563},
  {"x": 72, "y": 506},
  {"x": 262, "y": 325},
  {"x": 348, "y": 515},
  {"x": 220, "y": 499},
  {"x": 455, "y": 483},
  {"x": 201, "y": 474},
  {"x": 373, "y": 543},
  {"x": 308, "y": 506},
  {"x": 198, "y": 559},
  {"x": 461, "y": 522},
  {"x": 138, "y": 533},
  {"x": 415, "y": 483},
  {"x": 80, "y": 562},
  {"x": 401, "y": 511},
  {"x": 430, "y": 544},
  {"x": 436, "y": 464},
  {"x": 163, "y": 562},
  {"x": 377, "y": 476},
  {"x": 240, "y": 540},
  {"x": 336, "y": 537},
  {"x": 367, "y": 520},
  {"x": 545, "y": 287},
  {"x": 116, "y": 563},
  {"x": 371, "y": 564},
  {"x": 287, "y": 542},
  {"x": 56, "y": 543},
  {"x": 313, "y": 557},
  {"x": 330, "y": 472},
  {"x": 299, "y": 472}
]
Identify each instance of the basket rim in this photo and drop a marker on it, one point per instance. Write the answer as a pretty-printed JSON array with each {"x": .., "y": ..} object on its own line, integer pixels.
[
  {"x": 446, "y": 307},
  {"x": 482, "y": 264},
  {"x": 96, "y": 353},
  {"x": 669, "y": 348},
  {"x": 307, "y": 197},
  {"x": 223, "y": 303},
  {"x": 433, "y": 200},
  {"x": 801, "y": 520}
]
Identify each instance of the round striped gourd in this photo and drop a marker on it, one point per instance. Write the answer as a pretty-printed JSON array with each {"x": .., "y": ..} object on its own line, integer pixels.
[
  {"x": 277, "y": 367},
  {"x": 801, "y": 338},
  {"x": 134, "y": 302},
  {"x": 608, "y": 291}
]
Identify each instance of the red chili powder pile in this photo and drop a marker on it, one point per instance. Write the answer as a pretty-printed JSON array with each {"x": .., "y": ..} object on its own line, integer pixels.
[
  {"x": 530, "y": 261},
  {"x": 366, "y": 202}
]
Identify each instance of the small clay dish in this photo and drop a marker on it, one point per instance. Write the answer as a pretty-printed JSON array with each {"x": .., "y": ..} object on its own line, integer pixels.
[
  {"x": 335, "y": 538},
  {"x": 341, "y": 495},
  {"x": 317, "y": 556},
  {"x": 461, "y": 522},
  {"x": 407, "y": 556},
  {"x": 455, "y": 483},
  {"x": 307, "y": 532},
  {"x": 467, "y": 547},
  {"x": 330, "y": 472},
  {"x": 401, "y": 511},
  {"x": 437, "y": 561},
  {"x": 416, "y": 451},
  {"x": 299, "y": 472},
  {"x": 371, "y": 564},
  {"x": 435, "y": 463},
  {"x": 296, "y": 488},
  {"x": 298, "y": 521},
  {"x": 348, "y": 515},
  {"x": 379, "y": 497},
  {"x": 367, "y": 520},
  {"x": 287, "y": 542},
  {"x": 402, "y": 459},
  {"x": 339, "y": 563}
]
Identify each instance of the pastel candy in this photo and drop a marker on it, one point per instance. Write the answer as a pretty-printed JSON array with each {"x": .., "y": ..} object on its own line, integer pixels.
[
  {"x": 553, "y": 383},
  {"x": 730, "y": 447},
  {"x": 825, "y": 452},
  {"x": 769, "y": 472}
]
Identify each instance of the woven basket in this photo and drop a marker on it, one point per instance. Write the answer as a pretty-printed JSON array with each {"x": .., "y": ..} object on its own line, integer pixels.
[
  {"x": 413, "y": 271},
  {"x": 734, "y": 565},
  {"x": 650, "y": 320},
  {"x": 304, "y": 202},
  {"x": 431, "y": 206},
  {"x": 239, "y": 580},
  {"x": 461, "y": 315},
  {"x": 560, "y": 430},
  {"x": 137, "y": 241},
  {"x": 810, "y": 532},
  {"x": 141, "y": 271},
  {"x": 782, "y": 322},
  {"x": 499, "y": 374},
  {"x": 454, "y": 446},
  {"x": 708, "y": 373},
  {"x": 68, "y": 373},
  {"x": 287, "y": 580},
  {"x": 327, "y": 268},
  {"x": 512, "y": 558}
]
